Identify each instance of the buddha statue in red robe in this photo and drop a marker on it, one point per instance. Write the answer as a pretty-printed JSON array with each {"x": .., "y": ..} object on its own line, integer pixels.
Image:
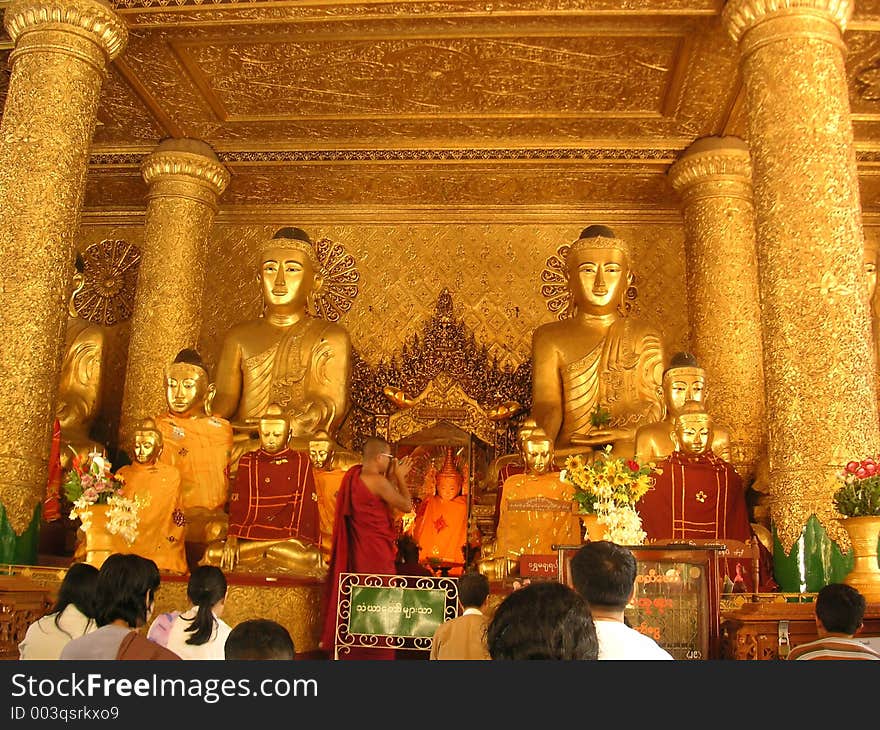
[{"x": 273, "y": 509}]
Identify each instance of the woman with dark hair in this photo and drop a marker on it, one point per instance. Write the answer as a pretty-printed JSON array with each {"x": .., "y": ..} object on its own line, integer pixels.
[
  {"x": 546, "y": 620},
  {"x": 72, "y": 616},
  {"x": 125, "y": 594},
  {"x": 200, "y": 633}
]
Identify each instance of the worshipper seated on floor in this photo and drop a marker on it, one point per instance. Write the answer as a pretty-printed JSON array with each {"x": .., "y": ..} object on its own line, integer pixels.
[
  {"x": 200, "y": 633},
  {"x": 125, "y": 594},
  {"x": 840, "y": 609},
  {"x": 259, "y": 638}
]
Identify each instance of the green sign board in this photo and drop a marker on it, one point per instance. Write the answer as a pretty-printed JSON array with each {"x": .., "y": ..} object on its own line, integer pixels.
[{"x": 386, "y": 611}]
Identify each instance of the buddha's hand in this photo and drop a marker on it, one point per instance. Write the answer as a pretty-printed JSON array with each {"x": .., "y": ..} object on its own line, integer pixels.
[{"x": 229, "y": 558}]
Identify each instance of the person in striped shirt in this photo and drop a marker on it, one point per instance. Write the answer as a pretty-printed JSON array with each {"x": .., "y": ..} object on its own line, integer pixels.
[{"x": 839, "y": 612}]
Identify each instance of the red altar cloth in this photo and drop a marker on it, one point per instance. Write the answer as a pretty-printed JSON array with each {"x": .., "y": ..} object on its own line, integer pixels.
[
  {"x": 275, "y": 497},
  {"x": 700, "y": 498}
]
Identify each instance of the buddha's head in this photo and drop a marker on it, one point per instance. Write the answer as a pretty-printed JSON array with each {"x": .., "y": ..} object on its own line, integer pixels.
[
  {"x": 147, "y": 442},
  {"x": 683, "y": 381},
  {"x": 538, "y": 452},
  {"x": 599, "y": 272},
  {"x": 289, "y": 270},
  {"x": 274, "y": 430},
  {"x": 186, "y": 385},
  {"x": 449, "y": 478},
  {"x": 692, "y": 429},
  {"x": 320, "y": 449},
  {"x": 522, "y": 435}
]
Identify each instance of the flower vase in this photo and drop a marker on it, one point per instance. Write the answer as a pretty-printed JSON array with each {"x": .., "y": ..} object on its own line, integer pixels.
[
  {"x": 865, "y": 575},
  {"x": 99, "y": 542},
  {"x": 592, "y": 529}
]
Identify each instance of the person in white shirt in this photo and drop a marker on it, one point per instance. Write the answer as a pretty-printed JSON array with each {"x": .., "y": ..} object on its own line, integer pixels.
[
  {"x": 200, "y": 633},
  {"x": 72, "y": 616},
  {"x": 604, "y": 573}
]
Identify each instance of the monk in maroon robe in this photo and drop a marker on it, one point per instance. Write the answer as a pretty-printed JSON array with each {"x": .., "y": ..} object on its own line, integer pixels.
[{"x": 364, "y": 538}]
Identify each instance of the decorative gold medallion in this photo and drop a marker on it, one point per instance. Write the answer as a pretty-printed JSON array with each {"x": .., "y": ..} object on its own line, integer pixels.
[
  {"x": 111, "y": 271},
  {"x": 338, "y": 281}
]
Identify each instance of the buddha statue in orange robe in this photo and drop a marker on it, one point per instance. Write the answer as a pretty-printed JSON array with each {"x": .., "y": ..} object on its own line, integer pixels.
[
  {"x": 440, "y": 526},
  {"x": 199, "y": 445},
  {"x": 537, "y": 511},
  {"x": 156, "y": 487},
  {"x": 329, "y": 462}
]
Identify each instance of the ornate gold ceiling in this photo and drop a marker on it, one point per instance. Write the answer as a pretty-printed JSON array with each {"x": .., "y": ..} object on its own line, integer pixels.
[{"x": 521, "y": 105}]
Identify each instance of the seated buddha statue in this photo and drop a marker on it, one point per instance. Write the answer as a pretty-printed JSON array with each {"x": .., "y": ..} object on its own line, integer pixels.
[
  {"x": 199, "y": 445},
  {"x": 79, "y": 390},
  {"x": 536, "y": 510},
  {"x": 441, "y": 523},
  {"x": 79, "y": 386},
  {"x": 599, "y": 358},
  {"x": 683, "y": 381},
  {"x": 286, "y": 356},
  {"x": 329, "y": 463},
  {"x": 697, "y": 495},
  {"x": 273, "y": 509},
  {"x": 156, "y": 487}
]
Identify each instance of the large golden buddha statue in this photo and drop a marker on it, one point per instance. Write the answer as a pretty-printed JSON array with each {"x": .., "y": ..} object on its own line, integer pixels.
[
  {"x": 79, "y": 386},
  {"x": 684, "y": 381},
  {"x": 274, "y": 523},
  {"x": 597, "y": 361},
  {"x": 286, "y": 356}
]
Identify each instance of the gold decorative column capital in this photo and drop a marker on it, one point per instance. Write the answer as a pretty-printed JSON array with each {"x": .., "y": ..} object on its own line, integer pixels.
[
  {"x": 792, "y": 17},
  {"x": 182, "y": 164},
  {"x": 95, "y": 17},
  {"x": 712, "y": 159}
]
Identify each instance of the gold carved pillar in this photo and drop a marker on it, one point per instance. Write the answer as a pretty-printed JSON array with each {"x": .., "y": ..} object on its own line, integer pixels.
[
  {"x": 62, "y": 48},
  {"x": 713, "y": 178},
  {"x": 185, "y": 179},
  {"x": 818, "y": 371}
]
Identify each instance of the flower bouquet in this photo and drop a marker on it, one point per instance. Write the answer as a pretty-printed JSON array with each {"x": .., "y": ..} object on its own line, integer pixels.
[
  {"x": 610, "y": 488},
  {"x": 89, "y": 483},
  {"x": 859, "y": 491}
]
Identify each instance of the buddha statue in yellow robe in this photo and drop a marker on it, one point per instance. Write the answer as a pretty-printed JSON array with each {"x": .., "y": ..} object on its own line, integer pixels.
[
  {"x": 199, "y": 445},
  {"x": 601, "y": 361},
  {"x": 440, "y": 526},
  {"x": 286, "y": 356},
  {"x": 273, "y": 509},
  {"x": 684, "y": 381},
  {"x": 537, "y": 511},
  {"x": 156, "y": 487},
  {"x": 329, "y": 462}
]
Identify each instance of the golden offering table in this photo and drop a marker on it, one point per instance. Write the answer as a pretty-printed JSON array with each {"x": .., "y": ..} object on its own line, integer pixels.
[{"x": 774, "y": 624}]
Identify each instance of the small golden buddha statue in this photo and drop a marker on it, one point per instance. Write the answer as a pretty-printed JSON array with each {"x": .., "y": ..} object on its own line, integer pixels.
[
  {"x": 329, "y": 463},
  {"x": 79, "y": 386},
  {"x": 441, "y": 523},
  {"x": 598, "y": 359},
  {"x": 274, "y": 523},
  {"x": 870, "y": 264},
  {"x": 286, "y": 356},
  {"x": 508, "y": 464},
  {"x": 536, "y": 511},
  {"x": 684, "y": 381},
  {"x": 199, "y": 445},
  {"x": 156, "y": 486}
]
